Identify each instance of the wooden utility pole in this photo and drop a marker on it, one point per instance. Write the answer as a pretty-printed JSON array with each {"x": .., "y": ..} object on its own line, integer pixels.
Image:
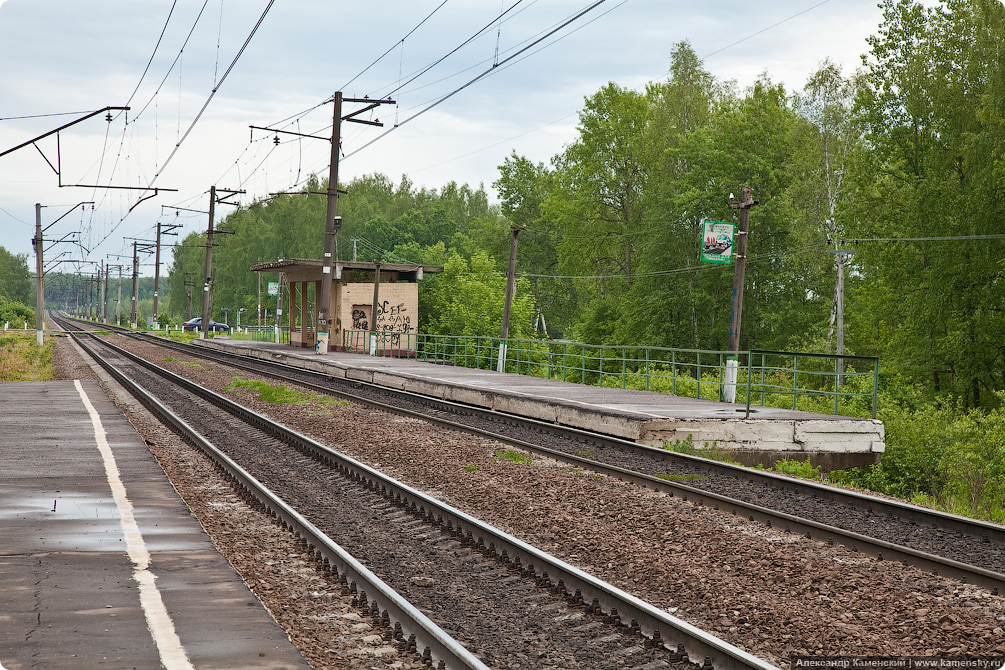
[
  {"x": 739, "y": 267},
  {"x": 332, "y": 224},
  {"x": 332, "y": 221},
  {"x": 39, "y": 277},
  {"x": 510, "y": 290},
  {"x": 104, "y": 301},
  {"x": 207, "y": 295},
  {"x": 136, "y": 286}
]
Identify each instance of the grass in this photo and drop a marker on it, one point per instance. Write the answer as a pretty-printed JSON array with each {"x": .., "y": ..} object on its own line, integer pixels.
[
  {"x": 471, "y": 467},
  {"x": 283, "y": 395},
  {"x": 710, "y": 451},
  {"x": 514, "y": 456},
  {"x": 21, "y": 360}
]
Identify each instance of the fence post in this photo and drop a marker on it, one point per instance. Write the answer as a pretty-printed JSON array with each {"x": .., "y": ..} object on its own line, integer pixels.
[
  {"x": 795, "y": 376},
  {"x": 749, "y": 377},
  {"x": 647, "y": 368},
  {"x": 875, "y": 385},
  {"x": 698, "y": 376},
  {"x": 836, "y": 386},
  {"x": 763, "y": 363},
  {"x": 673, "y": 372}
]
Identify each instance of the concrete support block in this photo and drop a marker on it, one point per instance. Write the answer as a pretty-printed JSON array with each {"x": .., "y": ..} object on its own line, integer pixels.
[
  {"x": 532, "y": 408},
  {"x": 619, "y": 426}
]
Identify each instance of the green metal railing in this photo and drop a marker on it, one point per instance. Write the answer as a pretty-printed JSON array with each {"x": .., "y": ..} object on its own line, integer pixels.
[
  {"x": 821, "y": 383},
  {"x": 268, "y": 334}
]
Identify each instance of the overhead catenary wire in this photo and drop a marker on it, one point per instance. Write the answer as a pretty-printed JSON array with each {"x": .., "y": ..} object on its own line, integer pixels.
[
  {"x": 154, "y": 53},
  {"x": 177, "y": 146},
  {"x": 481, "y": 76},
  {"x": 244, "y": 151},
  {"x": 401, "y": 41}
]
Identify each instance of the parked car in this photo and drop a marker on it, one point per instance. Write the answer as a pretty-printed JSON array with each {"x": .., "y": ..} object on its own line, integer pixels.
[{"x": 196, "y": 324}]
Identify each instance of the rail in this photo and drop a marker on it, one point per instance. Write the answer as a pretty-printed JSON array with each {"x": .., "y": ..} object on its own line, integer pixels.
[
  {"x": 530, "y": 561},
  {"x": 823, "y": 383},
  {"x": 280, "y": 335}
]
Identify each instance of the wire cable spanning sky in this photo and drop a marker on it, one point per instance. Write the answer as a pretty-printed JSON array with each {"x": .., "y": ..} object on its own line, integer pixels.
[{"x": 473, "y": 83}]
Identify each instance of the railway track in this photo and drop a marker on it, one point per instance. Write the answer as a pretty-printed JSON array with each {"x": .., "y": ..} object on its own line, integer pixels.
[
  {"x": 514, "y": 605},
  {"x": 965, "y": 549}
]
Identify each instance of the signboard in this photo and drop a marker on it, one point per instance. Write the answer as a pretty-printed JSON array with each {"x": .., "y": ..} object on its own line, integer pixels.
[
  {"x": 717, "y": 242},
  {"x": 273, "y": 288}
]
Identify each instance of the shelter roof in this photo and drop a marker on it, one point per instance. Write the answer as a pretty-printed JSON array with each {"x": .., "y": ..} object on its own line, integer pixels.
[{"x": 313, "y": 266}]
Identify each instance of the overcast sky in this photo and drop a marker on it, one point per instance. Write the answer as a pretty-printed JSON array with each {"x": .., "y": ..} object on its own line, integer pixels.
[{"x": 62, "y": 56}]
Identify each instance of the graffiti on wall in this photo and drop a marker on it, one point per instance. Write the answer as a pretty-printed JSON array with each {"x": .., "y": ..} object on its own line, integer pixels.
[
  {"x": 359, "y": 318},
  {"x": 391, "y": 317}
]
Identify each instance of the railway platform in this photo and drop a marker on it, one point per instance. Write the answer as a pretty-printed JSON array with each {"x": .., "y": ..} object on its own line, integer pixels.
[
  {"x": 101, "y": 563},
  {"x": 769, "y": 434}
]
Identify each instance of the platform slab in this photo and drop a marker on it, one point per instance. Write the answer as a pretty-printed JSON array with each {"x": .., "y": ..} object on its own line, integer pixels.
[
  {"x": 767, "y": 435},
  {"x": 68, "y": 596}
]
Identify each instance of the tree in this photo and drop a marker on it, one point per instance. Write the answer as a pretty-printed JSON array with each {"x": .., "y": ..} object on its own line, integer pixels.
[
  {"x": 523, "y": 189},
  {"x": 15, "y": 278},
  {"x": 824, "y": 189},
  {"x": 467, "y": 299},
  {"x": 599, "y": 184},
  {"x": 933, "y": 109}
]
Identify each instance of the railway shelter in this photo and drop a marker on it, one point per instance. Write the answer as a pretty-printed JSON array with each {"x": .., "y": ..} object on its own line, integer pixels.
[{"x": 360, "y": 289}]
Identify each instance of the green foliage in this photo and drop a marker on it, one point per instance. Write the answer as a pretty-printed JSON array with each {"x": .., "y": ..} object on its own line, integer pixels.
[
  {"x": 15, "y": 278},
  {"x": 471, "y": 467},
  {"x": 467, "y": 299},
  {"x": 22, "y": 360},
  {"x": 514, "y": 456},
  {"x": 16, "y": 313},
  {"x": 942, "y": 455},
  {"x": 933, "y": 110},
  {"x": 797, "y": 468},
  {"x": 282, "y": 395}
]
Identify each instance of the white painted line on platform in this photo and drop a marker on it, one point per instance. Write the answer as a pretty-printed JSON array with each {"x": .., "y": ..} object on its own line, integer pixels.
[{"x": 172, "y": 654}]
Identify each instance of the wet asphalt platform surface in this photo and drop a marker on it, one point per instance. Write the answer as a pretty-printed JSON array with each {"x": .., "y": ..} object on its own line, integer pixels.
[{"x": 99, "y": 570}]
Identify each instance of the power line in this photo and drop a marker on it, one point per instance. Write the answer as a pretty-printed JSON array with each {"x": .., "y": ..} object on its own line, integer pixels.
[
  {"x": 156, "y": 46},
  {"x": 42, "y": 116},
  {"x": 378, "y": 59},
  {"x": 774, "y": 25},
  {"x": 212, "y": 93},
  {"x": 201, "y": 111},
  {"x": 484, "y": 74},
  {"x": 925, "y": 239}
]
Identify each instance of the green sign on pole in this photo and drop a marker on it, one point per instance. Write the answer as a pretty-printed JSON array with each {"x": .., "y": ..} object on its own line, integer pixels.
[
  {"x": 717, "y": 242},
  {"x": 273, "y": 288}
]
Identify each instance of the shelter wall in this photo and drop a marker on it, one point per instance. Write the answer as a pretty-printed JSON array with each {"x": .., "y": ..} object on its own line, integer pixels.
[{"x": 398, "y": 308}]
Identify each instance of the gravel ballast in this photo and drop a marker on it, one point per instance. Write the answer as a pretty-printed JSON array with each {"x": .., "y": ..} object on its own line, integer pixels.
[{"x": 775, "y": 595}]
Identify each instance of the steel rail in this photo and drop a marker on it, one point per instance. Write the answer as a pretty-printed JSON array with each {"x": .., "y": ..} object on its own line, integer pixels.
[
  {"x": 882, "y": 549},
  {"x": 437, "y": 644},
  {"x": 976, "y": 528},
  {"x": 563, "y": 578}
]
